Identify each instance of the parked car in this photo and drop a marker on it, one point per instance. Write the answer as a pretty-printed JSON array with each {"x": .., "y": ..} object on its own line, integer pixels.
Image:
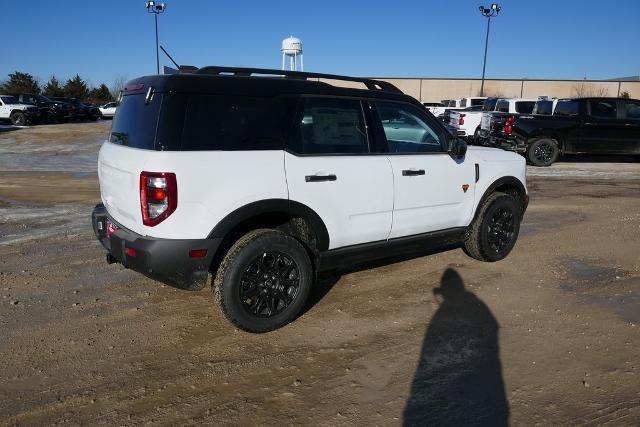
[
  {"x": 50, "y": 111},
  {"x": 467, "y": 123},
  {"x": 81, "y": 111},
  {"x": 15, "y": 112},
  {"x": 457, "y": 104},
  {"x": 310, "y": 196},
  {"x": 496, "y": 119},
  {"x": 108, "y": 110},
  {"x": 578, "y": 125}
]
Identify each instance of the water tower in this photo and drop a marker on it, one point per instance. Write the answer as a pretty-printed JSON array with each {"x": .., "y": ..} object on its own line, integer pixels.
[{"x": 292, "y": 47}]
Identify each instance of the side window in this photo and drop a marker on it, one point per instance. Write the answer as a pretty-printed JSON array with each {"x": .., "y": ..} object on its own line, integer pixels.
[
  {"x": 566, "y": 108},
  {"x": 463, "y": 103},
  {"x": 330, "y": 126},
  {"x": 603, "y": 109},
  {"x": 631, "y": 109},
  {"x": 407, "y": 130}
]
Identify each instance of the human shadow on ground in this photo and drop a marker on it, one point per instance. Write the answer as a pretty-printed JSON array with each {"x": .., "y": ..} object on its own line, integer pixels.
[{"x": 459, "y": 376}]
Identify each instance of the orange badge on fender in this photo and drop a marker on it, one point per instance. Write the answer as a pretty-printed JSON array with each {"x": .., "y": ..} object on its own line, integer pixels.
[{"x": 465, "y": 187}]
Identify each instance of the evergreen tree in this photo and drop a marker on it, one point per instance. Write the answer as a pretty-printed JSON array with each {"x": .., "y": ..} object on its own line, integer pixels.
[
  {"x": 53, "y": 88},
  {"x": 100, "y": 94},
  {"x": 21, "y": 83},
  {"x": 76, "y": 88}
]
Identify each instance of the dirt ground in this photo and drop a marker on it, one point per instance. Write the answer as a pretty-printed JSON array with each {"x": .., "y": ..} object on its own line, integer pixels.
[{"x": 548, "y": 336}]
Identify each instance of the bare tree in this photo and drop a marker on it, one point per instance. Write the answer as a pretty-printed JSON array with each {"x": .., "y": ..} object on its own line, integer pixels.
[
  {"x": 496, "y": 93},
  {"x": 117, "y": 86},
  {"x": 625, "y": 94},
  {"x": 583, "y": 89}
]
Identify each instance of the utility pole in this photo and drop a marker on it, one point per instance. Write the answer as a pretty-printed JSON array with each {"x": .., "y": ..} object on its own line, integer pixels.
[
  {"x": 488, "y": 13},
  {"x": 156, "y": 9}
]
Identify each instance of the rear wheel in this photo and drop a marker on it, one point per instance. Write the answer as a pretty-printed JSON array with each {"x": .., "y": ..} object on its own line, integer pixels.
[
  {"x": 543, "y": 152},
  {"x": 494, "y": 232},
  {"x": 263, "y": 281},
  {"x": 18, "y": 118}
]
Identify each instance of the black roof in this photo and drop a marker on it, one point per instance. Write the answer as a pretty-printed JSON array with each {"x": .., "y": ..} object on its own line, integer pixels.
[{"x": 263, "y": 82}]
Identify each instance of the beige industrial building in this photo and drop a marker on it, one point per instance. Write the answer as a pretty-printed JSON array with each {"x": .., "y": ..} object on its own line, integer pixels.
[{"x": 436, "y": 89}]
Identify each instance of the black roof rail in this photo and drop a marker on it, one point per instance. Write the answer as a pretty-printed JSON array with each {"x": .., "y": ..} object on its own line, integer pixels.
[{"x": 371, "y": 84}]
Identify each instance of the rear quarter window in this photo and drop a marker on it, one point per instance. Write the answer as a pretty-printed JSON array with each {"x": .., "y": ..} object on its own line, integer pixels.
[{"x": 566, "y": 108}]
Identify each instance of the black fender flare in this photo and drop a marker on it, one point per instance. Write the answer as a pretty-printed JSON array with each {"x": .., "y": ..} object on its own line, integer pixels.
[
  {"x": 267, "y": 206},
  {"x": 505, "y": 180}
]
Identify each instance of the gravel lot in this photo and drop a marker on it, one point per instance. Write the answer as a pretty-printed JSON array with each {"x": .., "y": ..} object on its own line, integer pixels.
[{"x": 548, "y": 336}]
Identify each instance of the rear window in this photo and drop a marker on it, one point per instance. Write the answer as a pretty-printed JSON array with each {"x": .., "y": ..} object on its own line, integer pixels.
[
  {"x": 525, "y": 107},
  {"x": 135, "y": 122},
  {"x": 489, "y": 104},
  {"x": 503, "y": 106},
  {"x": 476, "y": 101},
  {"x": 543, "y": 108},
  {"x": 566, "y": 108}
]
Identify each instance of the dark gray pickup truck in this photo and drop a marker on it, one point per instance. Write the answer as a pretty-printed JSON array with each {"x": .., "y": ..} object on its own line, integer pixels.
[{"x": 577, "y": 125}]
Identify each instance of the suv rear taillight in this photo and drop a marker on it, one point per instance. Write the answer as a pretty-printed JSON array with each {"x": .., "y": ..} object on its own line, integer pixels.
[
  {"x": 508, "y": 125},
  {"x": 158, "y": 196},
  {"x": 461, "y": 119}
]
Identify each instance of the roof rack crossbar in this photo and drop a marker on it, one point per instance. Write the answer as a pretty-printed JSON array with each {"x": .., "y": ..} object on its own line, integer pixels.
[{"x": 370, "y": 84}]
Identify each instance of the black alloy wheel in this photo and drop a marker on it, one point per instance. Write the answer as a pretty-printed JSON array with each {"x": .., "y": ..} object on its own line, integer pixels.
[{"x": 269, "y": 284}]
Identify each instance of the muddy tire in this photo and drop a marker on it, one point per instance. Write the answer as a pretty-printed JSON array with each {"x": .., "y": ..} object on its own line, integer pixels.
[
  {"x": 263, "y": 281},
  {"x": 18, "y": 118},
  {"x": 494, "y": 232},
  {"x": 543, "y": 152}
]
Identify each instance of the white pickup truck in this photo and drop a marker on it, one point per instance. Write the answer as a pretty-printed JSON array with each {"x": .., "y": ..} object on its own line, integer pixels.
[
  {"x": 510, "y": 106},
  {"x": 467, "y": 123},
  {"x": 457, "y": 104}
]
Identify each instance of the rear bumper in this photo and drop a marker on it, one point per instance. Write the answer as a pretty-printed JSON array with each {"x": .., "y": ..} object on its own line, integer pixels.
[
  {"x": 510, "y": 144},
  {"x": 165, "y": 260}
]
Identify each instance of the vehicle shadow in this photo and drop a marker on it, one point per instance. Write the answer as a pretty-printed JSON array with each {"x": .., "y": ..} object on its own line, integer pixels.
[
  {"x": 459, "y": 376},
  {"x": 586, "y": 158}
]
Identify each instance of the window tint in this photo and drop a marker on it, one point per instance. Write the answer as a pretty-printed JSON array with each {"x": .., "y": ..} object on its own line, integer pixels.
[
  {"x": 229, "y": 123},
  {"x": 604, "y": 109},
  {"x": 135, "y": 122},
  {"x": 524, "y": 107},
  {"x": 543, "y": 107},
  {"x": 463, "y": 103},
  {"x": 489, "y": 104},
  {"x": 632, "y": 109},
  {"x": 477, "y": 101},
  {"x": 330, "y": 126},
  {"x": 566, "y": 108},
  {"x": 503, "y": 106},
  {"x": 407, "y": 130}
]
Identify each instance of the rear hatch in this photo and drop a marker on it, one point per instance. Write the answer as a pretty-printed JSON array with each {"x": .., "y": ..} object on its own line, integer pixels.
[{"x": 123, "y": 156}]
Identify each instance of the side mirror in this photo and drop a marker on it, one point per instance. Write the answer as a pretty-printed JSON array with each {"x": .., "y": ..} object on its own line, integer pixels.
[{"x": 457, "y": 148}]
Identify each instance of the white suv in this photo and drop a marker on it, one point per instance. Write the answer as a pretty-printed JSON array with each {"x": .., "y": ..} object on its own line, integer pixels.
[
  {"x": 263, "y": 178},
  {"x": 19, "y": 114}
]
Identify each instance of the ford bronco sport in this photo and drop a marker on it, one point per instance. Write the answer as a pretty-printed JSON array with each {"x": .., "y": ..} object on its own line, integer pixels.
[{"x": 262, "y": 178}]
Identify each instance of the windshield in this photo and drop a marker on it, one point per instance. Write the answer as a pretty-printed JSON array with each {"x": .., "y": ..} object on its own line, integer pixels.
[
  {"x": 42, "y": 98},
  {"x": 9, "y": 100}
]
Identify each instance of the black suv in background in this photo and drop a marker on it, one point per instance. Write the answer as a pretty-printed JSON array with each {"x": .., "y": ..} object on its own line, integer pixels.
[
  {"x": 82, "y": 112},
  {"x": 50, "y": 111},
  {"x": 577, "y": 126}
]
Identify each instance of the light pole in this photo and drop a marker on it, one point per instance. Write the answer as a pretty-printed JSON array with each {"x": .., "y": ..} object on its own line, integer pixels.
[
  {"x": 156, "y": 9},
  {"x": 488, "y": 12}
]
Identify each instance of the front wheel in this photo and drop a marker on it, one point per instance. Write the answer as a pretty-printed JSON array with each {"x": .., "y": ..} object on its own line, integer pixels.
[
  {"x": 18, "y": 118},
  {"x": 494, "y": 232},
  {"x": 543, "y": 152},
  {"x": 263, "y": 281}
]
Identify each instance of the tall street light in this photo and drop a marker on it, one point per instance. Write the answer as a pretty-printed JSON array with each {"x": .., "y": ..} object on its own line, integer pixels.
[
  {"x": 156, "y": 9},
  {"x": 488, "y": 12}
]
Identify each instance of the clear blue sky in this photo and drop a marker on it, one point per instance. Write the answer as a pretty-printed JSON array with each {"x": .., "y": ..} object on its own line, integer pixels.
[{"x": 535, "y": 39}]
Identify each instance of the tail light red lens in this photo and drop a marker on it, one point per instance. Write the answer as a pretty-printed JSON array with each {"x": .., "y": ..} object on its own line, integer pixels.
[
  {"x": 508, "y": 126},
  {"x": 158, "y": 196},
  {"x": 198, "y": 253},
  {"x": 461, "y": 119}
]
